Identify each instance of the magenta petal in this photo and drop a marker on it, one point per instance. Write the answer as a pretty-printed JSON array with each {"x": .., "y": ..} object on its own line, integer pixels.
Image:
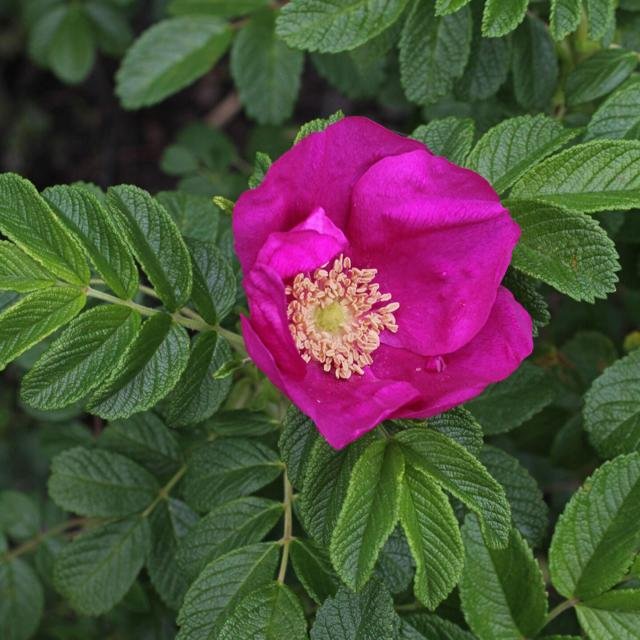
[
  {"x": 495, "y": 353},
  {"x": 343, "y": 410},
  {"x": 319, "y": 171},
  {"x": 307, "y": 246},
  {"x": 441, "y": 242}
]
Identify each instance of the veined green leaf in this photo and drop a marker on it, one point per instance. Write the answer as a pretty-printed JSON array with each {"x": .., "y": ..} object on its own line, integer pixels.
[
  {"x": 602, "y": 175},
  {"x": 509, "y": 149},
  {"x": 433, "y": 51},
  {"x": 569, "y": 251},
  {"x": 100, "y": 483},
  {"x": 195, "y": 215},
  {"x": 602, "y": 15},
  {"x": 232, "y": 525},
  {"x": 149, "y": 369},
  {"x": 265, "y": 70},
  {"x": 226, "y": 469},
  {"x": 617, "y": 116},
  {"x": 443, "y": 7},
  {"x": 599, "y": 75},
  {"x": 36, "y": 316},
  {"x": 74, "y": 364},
  {"x": 597, "y": 535},
  {"x": 488, "y": 67},
  {"x": 396, "y": 566},
  {"x": 449, "y": 137},
  {"x": 369, "y": 512},
  {"x": 19, "y": 272},
  {"x": 615, "y": 614},
  {"x": 97, "y": 569},
  {"x": 527, "y": 293},
  {"x": 170, "y": 522},
  {"x": 565, "y": 17},
  {"x": 316, "y": 125},
  {"x": 434, "y": 538},
  {"x": 428, "y": 626},
  {"x": 612, "y": 408},
  {"x": 223, "y": 583},
  {"x": 26, "y": 219},
  {"x": 460, "y": 425},
  {"x": 313, "y": 568},
  {"x": 327, "y": 26},
  {"x": 460, "y": 473},
  {"x": 502, "y": 590},
  {"x": 168, "y": 57},
  {"x": 155, "y": 242},
  {"x": 500, "y": 18},
  {"x": 83, "y": 215},
  {"x": 272, "y": 612},
  {"x": 298, "y": 436},
  {"x": 21, "y": 600}
]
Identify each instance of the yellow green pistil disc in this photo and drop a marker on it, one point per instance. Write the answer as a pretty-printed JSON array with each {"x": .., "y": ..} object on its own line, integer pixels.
[{"x": 336, "y": 317}]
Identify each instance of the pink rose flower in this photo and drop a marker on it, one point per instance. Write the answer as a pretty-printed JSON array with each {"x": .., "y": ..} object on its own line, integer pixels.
[{"x": 372, "y": 270}]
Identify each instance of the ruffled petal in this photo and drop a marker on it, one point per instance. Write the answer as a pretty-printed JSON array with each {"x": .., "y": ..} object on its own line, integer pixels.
[
  {"x": 307, "y": 246},
  {"x": 449, "y": 380},
  {"x": 319, "y": 171},
  {"x": 441, "y": 242}
]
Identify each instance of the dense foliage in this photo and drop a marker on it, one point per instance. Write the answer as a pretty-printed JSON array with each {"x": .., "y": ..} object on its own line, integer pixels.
[{"x": 153, "y": 484}]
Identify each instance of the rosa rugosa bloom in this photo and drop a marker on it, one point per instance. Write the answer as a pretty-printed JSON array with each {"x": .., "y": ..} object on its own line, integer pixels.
[{"x": 372, "y": 270}]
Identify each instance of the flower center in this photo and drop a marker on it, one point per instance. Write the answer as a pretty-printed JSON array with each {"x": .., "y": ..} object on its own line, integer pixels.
[{"x": 336, "y": 316}]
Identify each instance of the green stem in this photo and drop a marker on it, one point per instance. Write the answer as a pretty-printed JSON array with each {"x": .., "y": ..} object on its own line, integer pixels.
[
  {"x": 287, "y": 536},
  {"x": 165, "y": 492},
  {"x": 561, "y": 608},
  {"x": 35, "y": 542}
]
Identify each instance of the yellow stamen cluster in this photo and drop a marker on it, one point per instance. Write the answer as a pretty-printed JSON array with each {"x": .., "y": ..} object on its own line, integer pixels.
[{"x": 333, "y": 320}]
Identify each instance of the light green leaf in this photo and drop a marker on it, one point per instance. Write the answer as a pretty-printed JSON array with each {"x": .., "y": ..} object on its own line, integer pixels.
[
  {"x": 509, "y": 149},
  {"x": 313, "y": 568},
  {"x": 149, "y": 369},
  {"x": 533, "y": 48},
  {"x": 170, "y": 522},
  {"x": 325, "y": 486},
  {"x": 272, "y": 612},
  {"x": 168, "y": 57},
  {"x": 26, "y": 219},
  {"x": 565, "y": 17},
  {"x": 36, "y": 316},
  {"x": 226, "y": 469},
  {"x": 260, "y": 167},
  {"x": 612, "y": 408},
  {"x": 367, "y": 615},
  {"x": 433, "y": 51},
  {"x": 528, "y": 509},
  {"x": 19, "y": 272},
  {"x": 502, "y": 590},
  {"x": 231, "y": 525},
  {"x": 145, "y": 439},
  {"x": 214, "y": 283},
  {"x": 618, "y": 115},
  {"x": 198, "y": 395},
  {"x": 100, "y": 483},
  {"x": 508, "y": 404},
  {"x": 19, "y": 515},
  {"x": 86, "y": 219},
  {"x": 327, "y": 26},
  {"x": 456, "y": 470},
  {"x": 615, "y": 614},
  {"x": 319, "y": 124},
  {"x": 602, "y": 175},
  {"x": 97, "y": 569},
  {"x": 569, "y": 251},
  {"x": 223, "y": 583},
  {"x": 500, "y": 18},
  {"x": 155, "y": 242},
  {"x": 74, "y": 364},
  {"x": 597, "y": 535},
  {"x": 443, "y": 7},
  {"x": 195, "y": 215},
  {"x": 21, "y": 600},
  {"x": 71, "y": 48},
  {"x": 222, "y": 8},
  {"x": 369, "y": 512},
  {"x": 265, "y": 70},
  {"x": 434, "y": 538},
  {"x": 599, "y": 75},
  {"x": 601, "y": 17},
  {"x": 298, "y": 436},
  {"x": 449, "y": 137}
]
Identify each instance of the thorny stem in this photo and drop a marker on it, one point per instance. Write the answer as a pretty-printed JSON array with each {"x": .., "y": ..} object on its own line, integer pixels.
[
  {"x": 165, "y": 492},
  {"x": 35, "y": 542},
  {"x": 561, "y": 608},
  {"x": 288, "y": 527}
]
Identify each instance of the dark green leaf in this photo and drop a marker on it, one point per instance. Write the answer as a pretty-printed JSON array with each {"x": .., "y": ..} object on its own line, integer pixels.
[
  {"x": 313, "y": 568},
  {"x": 21, "y": 600},
  {"x": 19, "y": 515},
  {"x": 449, "y": 137},
  {"x": 298, "y": 436}
]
